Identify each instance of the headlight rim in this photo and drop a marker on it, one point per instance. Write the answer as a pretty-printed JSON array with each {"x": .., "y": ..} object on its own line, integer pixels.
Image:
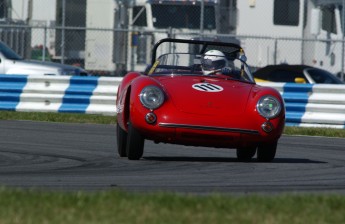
[
  {"x": 144, "y": 101},
  {"x": 265, "y": 115}
]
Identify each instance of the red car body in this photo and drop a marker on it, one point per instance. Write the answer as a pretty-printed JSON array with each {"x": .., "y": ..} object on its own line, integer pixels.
[{"x": 199, "y": 110}]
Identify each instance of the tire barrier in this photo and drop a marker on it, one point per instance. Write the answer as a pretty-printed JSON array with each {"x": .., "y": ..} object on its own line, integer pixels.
[{"x": 307, "y": 105}]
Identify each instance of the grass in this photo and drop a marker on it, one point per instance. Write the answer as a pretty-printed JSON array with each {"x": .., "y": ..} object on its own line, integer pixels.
[
  {"x": 37, "y": 206},
  {"x": 327, "y": 132},
  {"x": 121, "y": 207},
  {"x": 58, "y": 117}
]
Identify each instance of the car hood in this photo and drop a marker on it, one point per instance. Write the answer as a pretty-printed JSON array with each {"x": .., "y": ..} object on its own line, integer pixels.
[{"x": 207, "y": 96}]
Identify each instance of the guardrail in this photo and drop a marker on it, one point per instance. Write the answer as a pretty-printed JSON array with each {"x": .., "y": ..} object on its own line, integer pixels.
[
  {"x": 73, "y": 94},
  {"x": 313, "y": 105},
  {"x": 306, "y": 104}
]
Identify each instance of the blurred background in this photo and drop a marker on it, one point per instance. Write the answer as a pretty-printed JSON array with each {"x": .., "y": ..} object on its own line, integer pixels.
[{"x": 111, "y": 37}]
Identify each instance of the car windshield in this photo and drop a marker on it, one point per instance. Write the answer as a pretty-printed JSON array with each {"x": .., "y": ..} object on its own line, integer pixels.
[
  {"x": 8, "y": 52},
  {"x": 187, "y": 59},
  {"x": 322, "y": 76}
]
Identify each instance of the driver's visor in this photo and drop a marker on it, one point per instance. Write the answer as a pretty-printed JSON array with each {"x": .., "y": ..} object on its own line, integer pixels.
[{"x": 208, "y": 64}]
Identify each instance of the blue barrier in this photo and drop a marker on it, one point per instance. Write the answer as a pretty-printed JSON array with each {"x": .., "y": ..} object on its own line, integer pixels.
[
  {"x": 63, "y": 94},
  {"x": 313, "y": 105},
  {"x": 296, "y": 98},
  {"x": 77, "y": 96},
  {"x": 306, "y": 105},
  {"x": 10, "y": 90}
]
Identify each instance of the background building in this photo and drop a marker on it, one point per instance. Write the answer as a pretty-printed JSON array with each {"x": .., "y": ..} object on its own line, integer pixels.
[{"x": 109, "y": 37}]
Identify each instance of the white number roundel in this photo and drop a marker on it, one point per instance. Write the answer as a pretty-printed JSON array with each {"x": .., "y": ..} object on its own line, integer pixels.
[{"x": 207, "y": 87}]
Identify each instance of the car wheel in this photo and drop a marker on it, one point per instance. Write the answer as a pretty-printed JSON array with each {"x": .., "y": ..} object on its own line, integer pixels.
[
  {"x": 121, "y": 141},
  {"x": 135, "y": 143},
  {"x": 267, "y": 152},
  {"x": 245, "y": 154}
]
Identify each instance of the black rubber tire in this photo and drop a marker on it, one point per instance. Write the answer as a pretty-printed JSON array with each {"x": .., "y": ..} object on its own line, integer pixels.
[
  {"x": 245, "y": 154},
  {"x": 121, "y": 141},
  {"x": 135, "y": 144},
  {"x": 267, "y": 152}
]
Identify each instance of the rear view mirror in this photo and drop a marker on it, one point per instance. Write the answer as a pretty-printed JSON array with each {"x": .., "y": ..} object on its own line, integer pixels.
[{"x": 243, "y": 58}]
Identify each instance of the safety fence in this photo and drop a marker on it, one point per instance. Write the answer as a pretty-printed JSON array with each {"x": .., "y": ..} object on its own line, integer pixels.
[
  {"x": 306, "y": 104},
  {"x": 114, "y": 52}
]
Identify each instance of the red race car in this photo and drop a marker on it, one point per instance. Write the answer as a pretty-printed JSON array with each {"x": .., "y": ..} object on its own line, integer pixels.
[{"x": 198, "y": 93}]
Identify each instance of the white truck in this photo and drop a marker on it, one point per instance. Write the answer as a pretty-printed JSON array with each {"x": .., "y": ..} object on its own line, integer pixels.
[
  {"x": 295, "y": 31},
  {"x": 141, "y": 23}
]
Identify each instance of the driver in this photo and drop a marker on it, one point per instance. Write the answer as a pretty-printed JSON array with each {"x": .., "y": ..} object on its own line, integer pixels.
[{"x": 214, "y": 62}]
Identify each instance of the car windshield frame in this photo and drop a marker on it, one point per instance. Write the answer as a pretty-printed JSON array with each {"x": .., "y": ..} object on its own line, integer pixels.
[
  {"x": 314, "y": 72},
  {"x": 8, "y": 53},
  {"x": 184, "y": 57}
]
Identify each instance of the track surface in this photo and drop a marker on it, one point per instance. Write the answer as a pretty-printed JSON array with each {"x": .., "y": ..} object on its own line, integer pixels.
[{"x": 60, "y": 156}]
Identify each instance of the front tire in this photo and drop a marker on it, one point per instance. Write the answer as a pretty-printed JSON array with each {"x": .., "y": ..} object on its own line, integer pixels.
[
  {"x": 135, "y": 143},
  {"x": 121, "y": 141},
  {"x": 267, "y": 152},
  {"x": 245, "y": 154}
]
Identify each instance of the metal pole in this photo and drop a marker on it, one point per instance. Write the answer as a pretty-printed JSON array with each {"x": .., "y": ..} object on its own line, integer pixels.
[
  {"x": 63, "y": 31},
  {"x": 343, "y": 44},
  {"x": 44, "y": 43},
  {"x": 202, "y": 11},
  {"x": 275, "y": 54},
  {"x": 303, "y": 36}
]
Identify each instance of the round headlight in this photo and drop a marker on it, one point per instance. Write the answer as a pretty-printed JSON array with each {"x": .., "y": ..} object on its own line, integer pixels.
[
  {"x": 268, "y": 106},
  {"x": 151, "y": 97}
]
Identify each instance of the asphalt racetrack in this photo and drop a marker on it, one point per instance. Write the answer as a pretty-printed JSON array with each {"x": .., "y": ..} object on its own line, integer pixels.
[{"x": 60, "y": 156}]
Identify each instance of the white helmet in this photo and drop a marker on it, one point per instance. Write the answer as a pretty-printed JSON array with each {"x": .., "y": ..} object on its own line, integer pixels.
[{"x": 213, "y": 60}]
